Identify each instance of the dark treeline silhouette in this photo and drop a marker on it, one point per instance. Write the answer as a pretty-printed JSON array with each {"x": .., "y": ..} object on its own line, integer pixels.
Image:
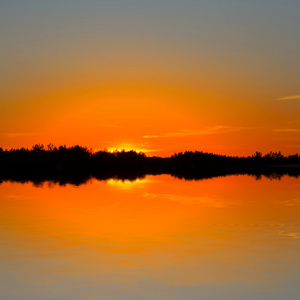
[{"x": 78, "y": 164}]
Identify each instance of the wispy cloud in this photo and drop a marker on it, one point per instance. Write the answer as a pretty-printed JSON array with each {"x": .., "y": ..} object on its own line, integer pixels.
[
  {"x": 187, "y": 199},
  {"x": 293, "y": 235},
  {"x": 211, "y": 130},
  {"x": 287, "y": 130},
  {"x": 292, "y": 202},
  {"x": 289, "y": 97},
  {"x": 18, "y": 134}
]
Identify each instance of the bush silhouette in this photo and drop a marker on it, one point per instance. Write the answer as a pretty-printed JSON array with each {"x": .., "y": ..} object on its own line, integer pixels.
[{"x": 77, "y": 164}]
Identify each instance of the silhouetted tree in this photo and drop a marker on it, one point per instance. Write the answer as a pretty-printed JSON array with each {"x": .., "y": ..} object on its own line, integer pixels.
[{"x": 77, "y": 164}]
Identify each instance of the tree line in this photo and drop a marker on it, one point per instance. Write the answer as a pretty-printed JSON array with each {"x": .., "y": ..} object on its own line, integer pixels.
[{"x": 78, "y": 164}]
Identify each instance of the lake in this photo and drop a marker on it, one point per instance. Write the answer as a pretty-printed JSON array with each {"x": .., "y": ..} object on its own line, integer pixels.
[{"x": 160, "y": 237}]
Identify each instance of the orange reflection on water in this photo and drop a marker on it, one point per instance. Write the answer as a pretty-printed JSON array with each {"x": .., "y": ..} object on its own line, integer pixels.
[
  {"x": 126, "y": 210},
  {"x": 147, "y": 207},
  {"x": 159, "y": 229}
]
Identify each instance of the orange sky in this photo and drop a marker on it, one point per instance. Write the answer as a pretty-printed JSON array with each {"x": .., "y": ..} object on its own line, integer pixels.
[{"x": 217, "y": 76}]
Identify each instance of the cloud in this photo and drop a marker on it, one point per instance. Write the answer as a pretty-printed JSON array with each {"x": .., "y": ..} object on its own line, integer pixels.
[
  {"x": 287, "y": 130},
  {"x": 187, "y": 199},
  {"x": 207, "y": 131},
  {"x": 289, "y": 97},
  {"x": 292, "y": 202},
  {"x": 18, "y": 134},
  {"x": 293, "y": 235}
]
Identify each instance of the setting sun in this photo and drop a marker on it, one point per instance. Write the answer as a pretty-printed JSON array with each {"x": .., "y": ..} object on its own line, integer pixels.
[
  {"x": 150, "y": 150},
  {"x": 158, "y": 78},
  {"x": 121, "y": 149}
]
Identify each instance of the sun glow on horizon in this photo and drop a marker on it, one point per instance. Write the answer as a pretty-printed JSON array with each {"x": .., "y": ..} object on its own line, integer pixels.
[
  {"x": 113, "y": 150},
  {"x": 174, "y": 84},
  {"x": 128, "y": 184},
  {"x": 126, "y": 148}
]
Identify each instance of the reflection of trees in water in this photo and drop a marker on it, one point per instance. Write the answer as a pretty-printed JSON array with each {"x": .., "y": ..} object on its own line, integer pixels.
[{"x": 77, "y": 165}]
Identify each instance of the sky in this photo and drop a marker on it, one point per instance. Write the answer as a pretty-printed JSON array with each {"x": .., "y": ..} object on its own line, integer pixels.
[{"x": 161, "y": 77}]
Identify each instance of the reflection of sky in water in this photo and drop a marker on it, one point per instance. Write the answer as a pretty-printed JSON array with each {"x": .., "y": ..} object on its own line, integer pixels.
[
  {"x": 158, "y": 238},
  {"x": 127, "y": 184}
]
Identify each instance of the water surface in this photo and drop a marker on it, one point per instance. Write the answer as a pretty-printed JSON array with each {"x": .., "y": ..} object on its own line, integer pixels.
[{"x": 160, "y": 237}]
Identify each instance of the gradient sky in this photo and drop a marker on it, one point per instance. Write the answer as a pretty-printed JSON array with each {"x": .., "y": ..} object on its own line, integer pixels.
[{"x": 159, "y": 76}]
